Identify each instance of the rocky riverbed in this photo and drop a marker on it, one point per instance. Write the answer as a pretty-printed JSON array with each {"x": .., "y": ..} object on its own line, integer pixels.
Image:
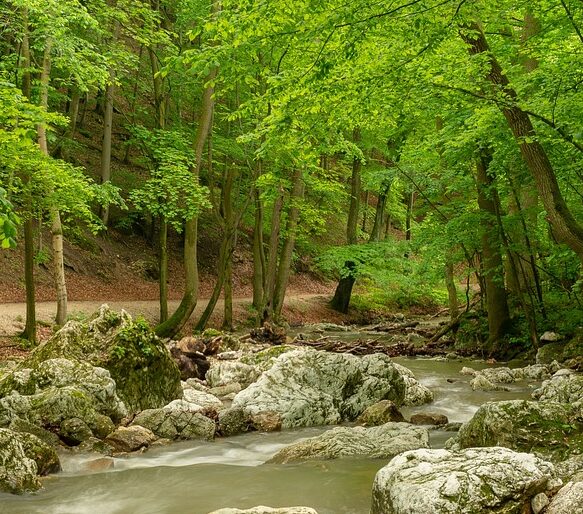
[{"x": 97, "y": 395}]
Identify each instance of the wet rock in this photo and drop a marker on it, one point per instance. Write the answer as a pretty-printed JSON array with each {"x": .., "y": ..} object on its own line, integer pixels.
[
  {"x": 565, "y": 386},
  {"x": 130, "y": 439},
  {"x": 384, "y": 441},
  {"x": 18, "y": 472},
  {"x": 380, "y": 413},
  {"x": 482, "y": 383},
  {"x": 137, "y": 360},
  {"x": 222, "y": 373},
  {"x": 415, "y": 393},
  {"x": 95, "y": 445},
  {"x": 266, "y": 421},
  {"x": 309, "y": 387},
  {"x": 74, "y": 431},
  {"x": 267, "y": 510},
  {"x": 533, "y": 372},
  {"x": 99, "y": 465},
  {"x": 46, "y": 458},
  {"x": 569, "y": 500},
  {"x": 21, "y": 425},
  {"x": 222, "y": 391},
  {"x": 233, "y": 421},
  {"x": 471, "y": 481},
  {"x": 176, "y": 423},
  {"x": 468, "y": 371},
  {"x": 429, "y": 418},
  {"x": 551, "y": 429}
]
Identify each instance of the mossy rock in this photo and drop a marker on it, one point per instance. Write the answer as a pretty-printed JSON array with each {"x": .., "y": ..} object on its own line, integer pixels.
[
  {"x": 138, "y": 361},
  {"x": 45, "y": 456},
  {"x": 550, "y": 352},
  {"x": 550, "y": 429},
  {"x": 18, "y": 472},
  {"x": 574, "y": 348}
]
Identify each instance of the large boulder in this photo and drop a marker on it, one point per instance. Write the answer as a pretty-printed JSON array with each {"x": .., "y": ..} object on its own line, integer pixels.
[
  {"x": 551, "y": 429},
  {"x": 267, "y": 510},
  {"x": 18, "y": 471},
  {"x": 494, "y": 480},
  {"x": 415, "y": 393},
  {"x": 138, "y": 361},
  {"x": 309, "y": 387},
  {"x": 380, "y": 413},
  {"x": 379, "y": 442},
  {"x": 565, "y": 386},
  {"x": 72, "y": 399},
  {"x": 222, "y": 373},
  {"x": 130, "y": 439}
]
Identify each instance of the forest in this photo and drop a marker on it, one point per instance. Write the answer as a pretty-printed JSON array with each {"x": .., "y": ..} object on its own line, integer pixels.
[
  {"x": 441, "y": 140},
  {"x": 421, "y": 160}
]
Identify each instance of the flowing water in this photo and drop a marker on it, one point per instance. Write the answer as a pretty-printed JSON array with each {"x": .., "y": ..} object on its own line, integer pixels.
[{"x": 198, "y": 477}]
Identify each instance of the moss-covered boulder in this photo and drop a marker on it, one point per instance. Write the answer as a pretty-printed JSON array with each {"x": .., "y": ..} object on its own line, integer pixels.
[
  {"x": 45, "y": 456},
  {"x": 139, "y": 362},
  {"x": 550, "y": 429},
  {"x": 176, "y": 423},
  {"x": 18, "y": 472}
]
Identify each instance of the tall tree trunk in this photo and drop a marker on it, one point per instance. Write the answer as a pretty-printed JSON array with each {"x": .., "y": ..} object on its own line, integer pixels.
[
  {"x": 273, "y": 250},
  {"x": 163, "y": 269},
  {"x": 496, "y": 301},
  {"x": 108, "y": 128},
  {"x": 175, "y": 323},
  {"x": 451, "y": 290},
  {"x": 410, "y": 199},
  {"x": 228, "y": 290},
  {"x": 375, "y": 235},
  {"x": 365, "y": 211},
  {"x": 283, "y": 270},
  {"x": 258, "y": 254},
  {"x": 29, "y": 332},
  {"x": 564, "y": 226},
  {"x": 341, "y": 299}
]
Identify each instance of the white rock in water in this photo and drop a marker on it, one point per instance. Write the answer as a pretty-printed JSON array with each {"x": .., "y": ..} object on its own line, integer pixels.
[
  {"x": 310, "y": 388},
  {"x": 205, "y": 400},
  {"x": 563, "y": 387},
  {"x": 415, "y": 393},
  {"x": 380, "y": 442},
  {"x": 225, "y": 372},
  {"x": 267, "y": 510},
  {"x": 466, "y": 482}
]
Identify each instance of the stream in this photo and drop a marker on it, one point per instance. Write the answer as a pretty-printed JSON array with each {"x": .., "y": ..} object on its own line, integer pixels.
[{"x": 197, "y": 477}]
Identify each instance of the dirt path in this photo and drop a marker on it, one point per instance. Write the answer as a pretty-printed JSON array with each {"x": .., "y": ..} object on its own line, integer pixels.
[{"x": 298, "y": 308}]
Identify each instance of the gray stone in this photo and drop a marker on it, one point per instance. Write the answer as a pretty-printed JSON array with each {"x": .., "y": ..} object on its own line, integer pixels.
[
  {"x": 18, "y": 472},
  {"x": 546, "y": 428},
  {"x": 203, "y": 399},
  {"x": 415, "y": 393},
  {"x": 379, "y": 442},
  {"x": 429, "y": 418},
  {"x": 266, "y": 421},
  {"x": 482, "y": 383},
  {"x": 566, "y": 387},
  {"x": 233, "y": 421},
  {"x": 222, "y": 373},
  {"x": 569, "y": 500},
  {"x": 309, "y": 387},
  {"x": 74, "y": 431},
  {"x": 176, "y": 423},
  {"x": 380, "y": 413},
  {"x": 539, "y": 503},
  {"x": 475, "y": 480},
  {"x": 130, "y": 439}
]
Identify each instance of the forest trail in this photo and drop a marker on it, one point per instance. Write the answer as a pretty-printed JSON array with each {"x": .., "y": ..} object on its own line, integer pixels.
[{"x": 298, "y": 308}]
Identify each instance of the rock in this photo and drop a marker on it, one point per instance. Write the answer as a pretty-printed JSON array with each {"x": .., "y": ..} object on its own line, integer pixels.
[
  {"x": 222, "y": 373},
  {"x": 18, "y": 472},
  {"x": 380, "y": 413},
  {"x": 550, "y": 337},
  {"x": 45, "y": 456},
  {"x": 233, "y": 421},
  {"x": 269, "y": 333},
  {"x": 310, "y": 387},
  {"x": 21, "y": 425},
  {"x": 191, "y": 346},
  {"x": 549, "y": 353},
  {"x": 222, "y": 391},
  {"x": 473, "y": 480},
  {"x": 130, "y": 439},
  {"x": 203, "y": 399},
  {"x": 563, "y": 387},
  {"x": 429, "y": 418},
  {"x": 546, "y": 428},
  {"x": 99, "y": 465},
  {"x": 176, "y": 423},
  {"x": 95, "y": 445},
  {"x": 230, "y": 355},
  {"x": 380, "y": 442},
  {"x": 74, "y": 431},
  {"x": 571, "y": 469},
  {"x": 138, "y": 361},
  {"x": 415, "y": 393},
  {"x": 533, "y": 372},
  {"x": 482, "y": 383},
  {"x": 267, "y": 510},
  {"x": 569, "y": 500},
  {"x": 539, "y": 502},
  {"x": 468, "y": 371},
  {"x": 266, "y": 421}
]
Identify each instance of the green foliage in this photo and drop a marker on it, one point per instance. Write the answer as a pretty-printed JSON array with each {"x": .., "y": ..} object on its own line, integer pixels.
[
  {"x": 136, "y": 340},
  {"x": 8, "y": 222}
]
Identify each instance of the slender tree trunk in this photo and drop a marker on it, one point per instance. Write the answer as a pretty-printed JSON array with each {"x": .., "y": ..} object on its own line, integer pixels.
[
  {"x": 270, "y": 275},
  {"x": 175, "y": 323},
  {"x": 258, "y": 254},
  {"x": 29, "y": 332},
  {"x": 496, "y": 301},
  {"x": 108, "y": 128},
  {"x": 451, "y": 290},
  {"x": 375, "y": 234},
  {"x": 283, "y": 270},
  {"x": 564, "y": 226},
  {"x": 365, "y": 212},
  {"x": 410, "y": 204},
  {"x": 228, "y": 290},
  {"x": 163, "y": 269}
]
